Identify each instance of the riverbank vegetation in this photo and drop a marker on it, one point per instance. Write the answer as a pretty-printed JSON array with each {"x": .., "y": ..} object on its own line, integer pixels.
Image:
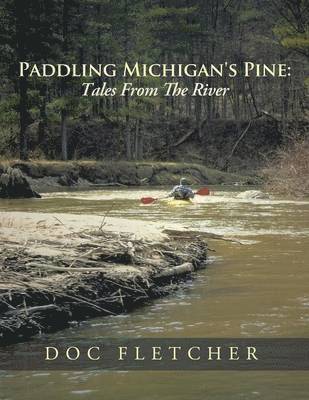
[
  {"x": 288, "y": 173},
  {"x": 49, "y": 119}
]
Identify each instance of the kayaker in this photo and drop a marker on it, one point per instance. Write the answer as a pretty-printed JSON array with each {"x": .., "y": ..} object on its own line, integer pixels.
[{"x": 182, "y": 191}]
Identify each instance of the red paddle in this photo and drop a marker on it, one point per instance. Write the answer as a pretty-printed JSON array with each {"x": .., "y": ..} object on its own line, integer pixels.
[
  {"x": 203, "y": 192},
  {"x": 148, "y": 200},
  {"x": 200, "y": 192}
]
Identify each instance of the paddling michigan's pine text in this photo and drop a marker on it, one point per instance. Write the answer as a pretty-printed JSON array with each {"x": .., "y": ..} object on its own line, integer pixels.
[{"x": 138, "y": 70}]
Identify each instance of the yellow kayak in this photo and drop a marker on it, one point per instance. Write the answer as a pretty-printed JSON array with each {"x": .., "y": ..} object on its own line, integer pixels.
[{"x": 177, "y": 203}]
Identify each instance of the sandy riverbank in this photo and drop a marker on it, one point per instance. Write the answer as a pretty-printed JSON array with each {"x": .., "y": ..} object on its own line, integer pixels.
[{"x": 21, "y": 227}]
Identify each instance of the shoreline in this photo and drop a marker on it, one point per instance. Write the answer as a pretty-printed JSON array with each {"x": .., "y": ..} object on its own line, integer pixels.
[{"x": 47, "y": 175}]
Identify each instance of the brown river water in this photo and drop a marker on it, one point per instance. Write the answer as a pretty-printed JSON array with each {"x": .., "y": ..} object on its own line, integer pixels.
[{"x": 259, "y": 288}]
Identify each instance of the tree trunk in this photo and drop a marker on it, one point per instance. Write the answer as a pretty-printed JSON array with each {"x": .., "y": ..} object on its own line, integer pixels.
[
  {"x": 43, "y": 116},
  {"x": 141, "y": 143},
  {"x": 64, "y": 136},
  {"x": 23, "y": 118},
  {"x": 198, "y": 112},
  {"x": 127, "y": 130},
  {"x": 23, "y": 83},
  {"x": 138, "y": 145}
]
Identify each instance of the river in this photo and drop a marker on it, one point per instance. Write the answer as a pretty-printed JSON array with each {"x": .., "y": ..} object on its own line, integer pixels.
[{"x": 258, "y": 287}]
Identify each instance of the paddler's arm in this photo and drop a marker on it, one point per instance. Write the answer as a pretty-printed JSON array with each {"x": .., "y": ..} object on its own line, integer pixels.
[
  {"x": 191, "y": 194},
  {"x": 172, "y": 192}
]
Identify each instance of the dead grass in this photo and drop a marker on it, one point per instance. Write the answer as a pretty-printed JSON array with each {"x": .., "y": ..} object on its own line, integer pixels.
[{"x": 288, "y": 172}]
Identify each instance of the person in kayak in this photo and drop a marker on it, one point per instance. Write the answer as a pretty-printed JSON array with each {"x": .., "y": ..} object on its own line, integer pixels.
[{"x": 182, "y": 191}]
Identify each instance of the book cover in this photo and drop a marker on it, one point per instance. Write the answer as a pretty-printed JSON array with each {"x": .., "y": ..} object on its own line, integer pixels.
[{"x": 154, "y": 199}]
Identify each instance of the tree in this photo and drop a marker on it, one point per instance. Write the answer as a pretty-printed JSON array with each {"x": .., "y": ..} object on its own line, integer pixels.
[
  {"x": 293, "y": 26},
  {"x": 145, "y": 31}
]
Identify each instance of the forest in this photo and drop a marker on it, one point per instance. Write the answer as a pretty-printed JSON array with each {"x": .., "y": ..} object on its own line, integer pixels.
[{"x": 48, "y": 118}]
